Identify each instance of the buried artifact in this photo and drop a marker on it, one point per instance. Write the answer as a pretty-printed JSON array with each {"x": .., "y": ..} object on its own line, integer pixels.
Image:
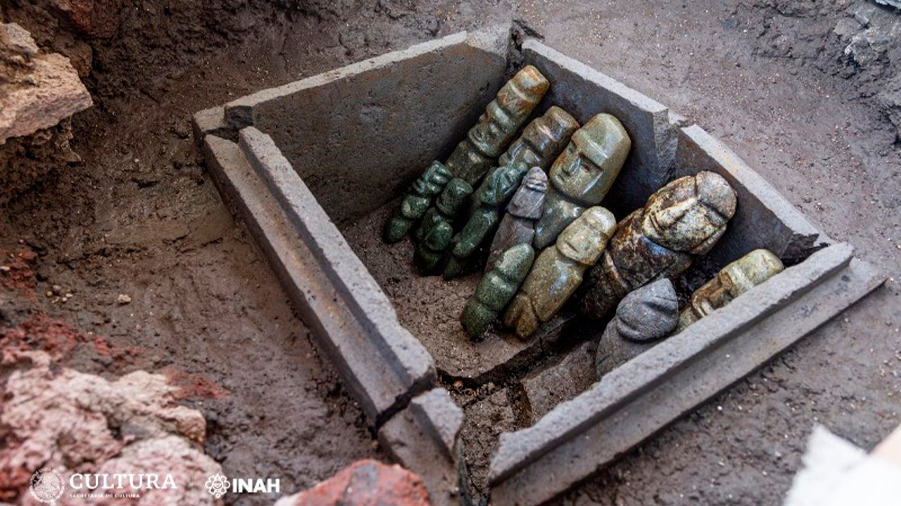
[
  {"x": 518, "y": 225},
  {"x": 733, "y": 280},
  {"x": 582, "y": 175},
  {"x": 538, "y": 146},
  {"x": 496, "y": 289},
  {"x": 417, "y": 201},
  {"x": 436, "y": 230},
  {"x": 558, "y": 271},
  {"x": 680, "y": 221}
]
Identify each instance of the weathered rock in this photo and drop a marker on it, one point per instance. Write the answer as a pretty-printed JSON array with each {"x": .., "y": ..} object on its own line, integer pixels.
[
  {"x": 496, "y": 127},
  {"x": 75, "y": 422},
  {"x": 890, "y": 99},
  {"x": 644, "y": 316},
  {"x": 40, "y": 90},
  {"x": 518, "y": 224},
  {"x": 496, "y": 289},
  {"x": 94, "y": 18},
  {"x": 364, "y": 483},
  {"x": 733, "y": 280},
  {"x": 680, "y": 221},
  {"x": 560, "y": 381},
  {"x": 417, "y": 201},
  {"x": 492, "y": 197},
  {"x": 436, "y": 230},
  {"x": 558, "y": 271},
  {"x": 582, "y": 175}
]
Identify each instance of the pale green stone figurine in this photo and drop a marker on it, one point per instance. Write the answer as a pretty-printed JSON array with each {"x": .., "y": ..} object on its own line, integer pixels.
[
  {"x": 417, "y": 201},
  {"x": 582, "y": 175},
  {"x": 680, "y": 222},
  {"x": 558, "y": 271},
  {"x": 496, "y": 289},
  {"x": 436, "y": 229},
  {"x": 540, "y": 143},
  {"x": 733, "y": 280},
  {"x": 475, "y": 154},
  {"x": 498, "y": 125}
]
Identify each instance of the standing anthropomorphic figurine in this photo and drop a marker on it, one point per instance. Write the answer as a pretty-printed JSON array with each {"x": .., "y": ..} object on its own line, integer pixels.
[
  {"x": 680, "y": 221},
  {"x": 582, "y": 175},
  {"x": 733, "y": 280},
  {"x": 436, "y": 229},
  {"x": 417, "y": 201},
  {"x": 558, "y": 271},
  {"x": 539, "y": 145},
  {"x": 518, "y": 224},
  {"x": 496, "y": 289}
]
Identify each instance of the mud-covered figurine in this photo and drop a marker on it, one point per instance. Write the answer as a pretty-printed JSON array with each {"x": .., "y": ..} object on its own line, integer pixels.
[
  {"x": 582, "y": 175},
  {"x": 558, "y": 271},
  {"x": 733, "y": 280},
  {"x": 680, "y": 221},
  {"x": 643, "y": 318},
  {"x": 539, "y": 145},
  {"x": 498, "y": 125},
  {"x": 436, "y": 229},
  {"x": 518, "y": 224},
  {"x": 496, "y": 289},
  {"x": 500, "y": 184},
  {"x": 417, "y": 201}
]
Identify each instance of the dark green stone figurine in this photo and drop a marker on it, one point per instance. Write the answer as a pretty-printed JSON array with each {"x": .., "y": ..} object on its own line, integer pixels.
[
  {"x": 496, "y": 289},
  {"x": 417, "y": 201},
  {"x": 436, "y": 229}
]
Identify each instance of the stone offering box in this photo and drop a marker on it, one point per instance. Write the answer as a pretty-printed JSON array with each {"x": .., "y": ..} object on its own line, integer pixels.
[{"x": 314, "y": 169}]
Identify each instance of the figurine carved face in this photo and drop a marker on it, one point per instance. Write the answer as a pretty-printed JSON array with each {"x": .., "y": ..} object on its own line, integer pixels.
[
  {"x": 500, "y": 185},
  {"x": 690, "y": 213},
  {"x": 508, "y": 110},
  {"x": 584, "y": 240},
  {"x": 529, "y": 199},
  {"x": 737, "y": 278},
  {"x": 589, "y": 165},
  {"x": 453, "y": 196}
]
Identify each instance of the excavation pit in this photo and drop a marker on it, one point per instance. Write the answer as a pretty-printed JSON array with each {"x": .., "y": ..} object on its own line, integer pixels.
[{"x": 315, "y": 166}]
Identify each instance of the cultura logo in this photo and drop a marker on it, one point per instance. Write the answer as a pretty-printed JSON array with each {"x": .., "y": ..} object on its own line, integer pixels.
[
  {"x": 47, "y": 485},
  {"x": 217, "y": 485}
]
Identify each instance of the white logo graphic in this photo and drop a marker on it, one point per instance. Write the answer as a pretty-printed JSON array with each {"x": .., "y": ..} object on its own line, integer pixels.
[
  {"x": 217, "y": 485},
  {"x": 47, "y": 485}
]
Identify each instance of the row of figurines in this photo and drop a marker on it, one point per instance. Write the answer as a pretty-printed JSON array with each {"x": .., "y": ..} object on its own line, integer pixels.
[{"x": 519, "y": 209}]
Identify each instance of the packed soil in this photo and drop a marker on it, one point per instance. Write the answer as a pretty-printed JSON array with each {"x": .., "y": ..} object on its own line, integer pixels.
[{"x": 156, "y": 265}]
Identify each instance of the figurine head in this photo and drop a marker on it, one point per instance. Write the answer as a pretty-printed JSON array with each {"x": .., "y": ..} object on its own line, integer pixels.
[
  {"x": 503, "y": 116},
  {"x": 586, "y": 169},
  {"x": 751, "y": 270},
  {"x": 500, "y": 185},
  {"x": 690, "y": 214},
  {"x": 584, "y": 240},
  {"x": 454, "y": 195},
  {"x": 529, "y": 198},
  {"x": 542, "y": 139},
  {"x": 432, "y": 180}
]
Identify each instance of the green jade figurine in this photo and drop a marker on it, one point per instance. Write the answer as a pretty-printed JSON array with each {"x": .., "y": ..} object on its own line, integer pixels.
[
  {"x": 436, "y": 230},
  {"x": 558, "y": 271},
  {"x": 518, "y": 224},
  {"x": 417, "y": 201},
  {"x": 540, "y": 143},
  {"x": 496, "y": 289},
  {"x": 475, "y": 154},
  {"x": 733, "y": 280},
  {"x": 582, "y": 175},
  {"x": 680, "y": 222}
]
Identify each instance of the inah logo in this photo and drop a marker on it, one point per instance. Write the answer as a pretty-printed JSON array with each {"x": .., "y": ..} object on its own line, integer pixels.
[
  {"x": 217, "y": 485},
  {"x": 47, "y": 485}
]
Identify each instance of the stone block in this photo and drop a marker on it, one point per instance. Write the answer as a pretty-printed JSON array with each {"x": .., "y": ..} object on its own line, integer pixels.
[{"x": 560, "y": 381}]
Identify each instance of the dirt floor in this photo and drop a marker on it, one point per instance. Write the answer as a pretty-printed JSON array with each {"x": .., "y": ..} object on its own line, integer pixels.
[{"x": 797, "y": 88}]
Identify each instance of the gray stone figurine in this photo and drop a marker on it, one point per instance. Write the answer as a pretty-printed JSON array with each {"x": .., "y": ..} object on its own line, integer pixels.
[
  {"x": 496, "y": 289},
  {"x": 643, "y": 317},
  {"x": 518, "y": 224},
  {"x": 582, "y": 175},
  {"x": 680, "y": 221}
]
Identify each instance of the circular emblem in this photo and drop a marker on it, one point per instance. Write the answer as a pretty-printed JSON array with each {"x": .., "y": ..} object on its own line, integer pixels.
[
  {"x": 46, "y": 485},
  {"x": 217, "y": 485}
]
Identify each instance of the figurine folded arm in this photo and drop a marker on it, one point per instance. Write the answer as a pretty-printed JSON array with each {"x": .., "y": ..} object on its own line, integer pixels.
[{"x": 680, "y": 221}]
